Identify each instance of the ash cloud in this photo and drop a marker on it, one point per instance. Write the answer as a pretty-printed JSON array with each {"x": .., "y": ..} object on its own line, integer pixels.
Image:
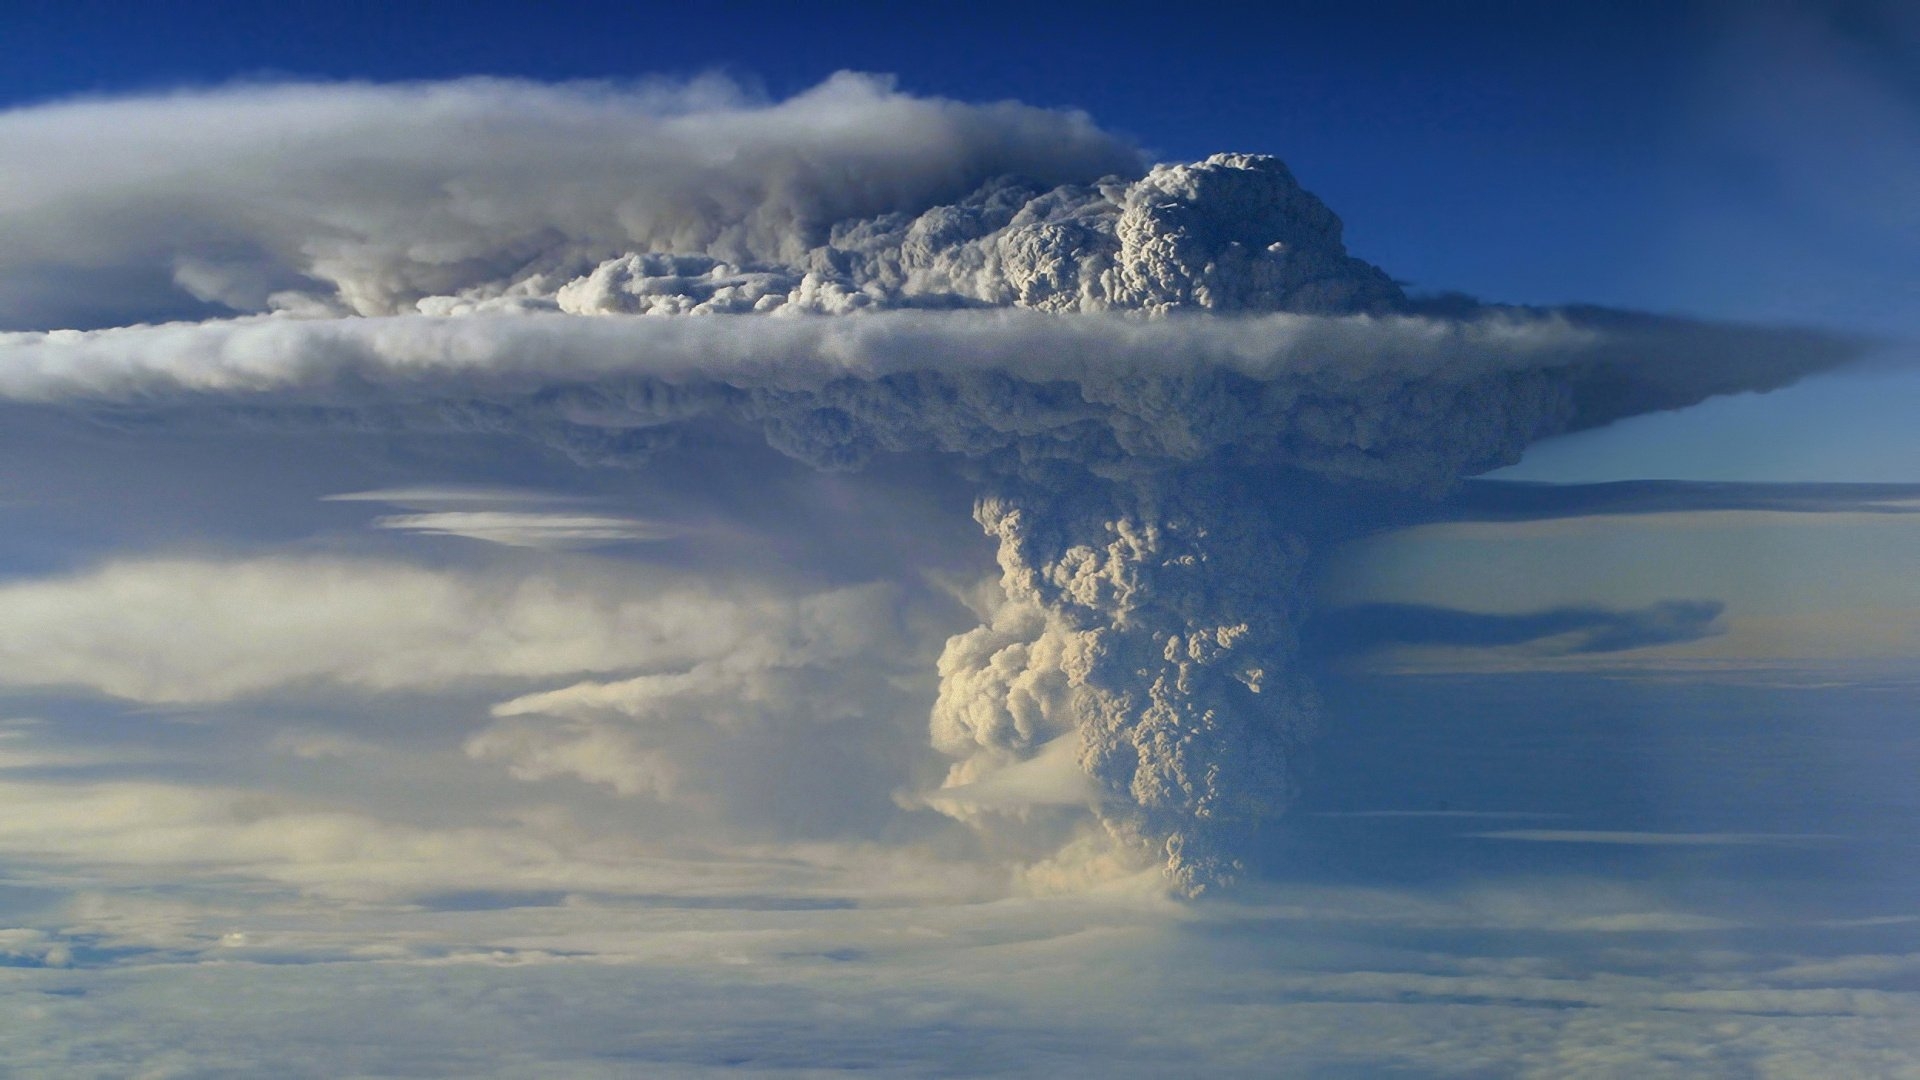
[
  {"x": 1162, "y": 382},
  {"x": 364, "y": 198}
]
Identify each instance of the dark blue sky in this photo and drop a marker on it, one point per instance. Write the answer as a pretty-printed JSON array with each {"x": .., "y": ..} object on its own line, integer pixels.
[{"x": 1628, "y": 153}]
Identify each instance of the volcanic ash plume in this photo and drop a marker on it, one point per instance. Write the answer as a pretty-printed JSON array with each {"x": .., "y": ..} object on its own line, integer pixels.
[
  {"x": 1145, "y": 375},
  {"x": 1160, "y": 632}
]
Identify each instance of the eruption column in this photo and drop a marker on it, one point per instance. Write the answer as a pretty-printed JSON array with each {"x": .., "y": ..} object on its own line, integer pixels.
[{"x": 1161, "y": 630}]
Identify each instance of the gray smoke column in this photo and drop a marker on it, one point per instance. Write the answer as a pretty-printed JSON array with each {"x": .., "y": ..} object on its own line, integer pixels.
[
  {"x": 1161, "y": 634},
  {"x": 1145, "y": 374}
]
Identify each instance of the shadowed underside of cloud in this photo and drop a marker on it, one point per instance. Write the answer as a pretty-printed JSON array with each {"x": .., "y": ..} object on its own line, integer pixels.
[
  {"x": 1148, "y": 373},
  {"x": 1404, "y": 400},
  {"x": 1555, "y": 631}
]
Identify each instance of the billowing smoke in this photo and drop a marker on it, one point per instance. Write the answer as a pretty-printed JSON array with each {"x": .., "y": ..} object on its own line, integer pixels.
[
  {"x": 1162, "y": 385},
  {"x": 364, "y": 198},
  {"x": 1159, "y": 631},
  {"x": 1233, "y": 233}
]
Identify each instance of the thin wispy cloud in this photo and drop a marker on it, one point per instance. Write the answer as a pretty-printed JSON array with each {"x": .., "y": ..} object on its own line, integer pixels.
[
  {"x": 513, "y": 518},
  {"x": 1656, "y": 839}
]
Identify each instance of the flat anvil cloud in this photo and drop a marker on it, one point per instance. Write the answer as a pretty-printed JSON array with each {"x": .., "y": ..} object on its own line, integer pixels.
[{"x": 1141, "y": 368}]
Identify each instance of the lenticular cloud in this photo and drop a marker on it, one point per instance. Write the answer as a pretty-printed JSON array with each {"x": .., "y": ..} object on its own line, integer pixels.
[{"x": 1162, "y": 381}]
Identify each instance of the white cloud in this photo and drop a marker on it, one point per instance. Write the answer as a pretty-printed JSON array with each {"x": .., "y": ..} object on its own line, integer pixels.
[
  {"x": 184, "y": 630},
  {"x": 842, "y": 659},
  {"x": 532, "y": 530},
  {"x": 512, "y": 517},
  {"x": 1015, "y": 987},
  {"x": 203, "y": 839}
]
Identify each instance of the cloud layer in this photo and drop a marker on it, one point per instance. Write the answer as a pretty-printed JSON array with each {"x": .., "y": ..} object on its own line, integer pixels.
[{"x": 200, "y": 630}]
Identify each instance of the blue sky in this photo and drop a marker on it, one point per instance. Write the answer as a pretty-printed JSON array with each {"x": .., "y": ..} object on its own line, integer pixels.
[{"x": 680, "y": 579}]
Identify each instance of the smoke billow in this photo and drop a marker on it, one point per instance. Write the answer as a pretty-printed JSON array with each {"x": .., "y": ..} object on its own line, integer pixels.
[
  {"x": 1145, "y": 376},
  {"x": 1233, "y": 233},
  {"x": 359, "y": 198},
  {"x": 1160, "y": 629}
]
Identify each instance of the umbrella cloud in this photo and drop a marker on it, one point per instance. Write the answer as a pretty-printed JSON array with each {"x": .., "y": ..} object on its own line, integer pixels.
[{"x": 1161, "y": 382}]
